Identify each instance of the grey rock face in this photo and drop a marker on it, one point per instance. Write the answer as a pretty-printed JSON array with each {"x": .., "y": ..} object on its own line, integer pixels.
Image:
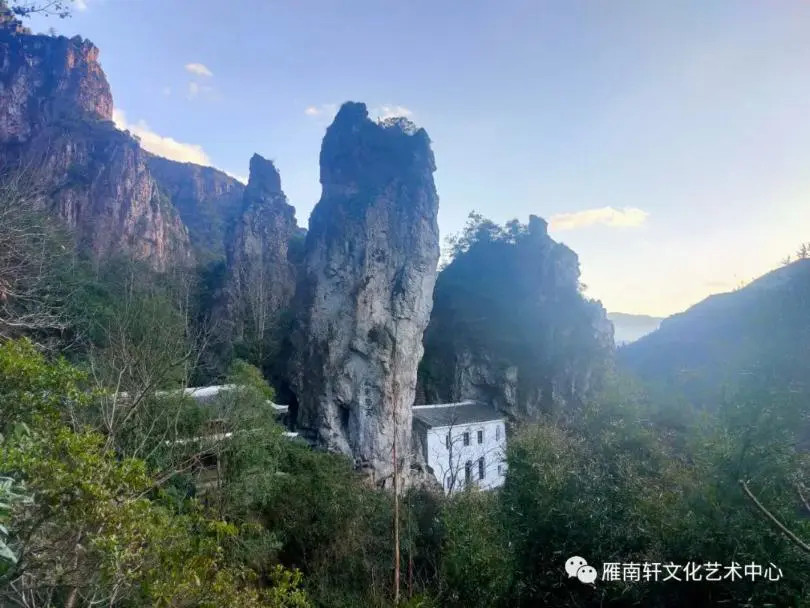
[
  {"x": 365, "y": 293},
  {"x": 96, "y": 180},
  {"x": 261, "y": 277},
  {"x": 478, "y": 375}
]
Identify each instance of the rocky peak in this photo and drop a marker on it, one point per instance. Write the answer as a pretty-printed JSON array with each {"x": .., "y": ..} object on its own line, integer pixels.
[
  {"x": 46, "y": 79},
  {"x": 55, "y": 119},
  {"x": 263, "y": 191},
  {"x": 364, "y": 297},
  {"x": 538, "y": 226},
  {"x": 358, "y": 152},
  {"x": 260, "y": 275},
  {"x": 264, "y": 180},
  {"x": 510, "y": 326}
]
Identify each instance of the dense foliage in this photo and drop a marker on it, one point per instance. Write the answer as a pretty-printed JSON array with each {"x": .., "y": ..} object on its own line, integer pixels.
[
  {"x": 85, "y": 521},
  {"x": 99, "y": 526}
]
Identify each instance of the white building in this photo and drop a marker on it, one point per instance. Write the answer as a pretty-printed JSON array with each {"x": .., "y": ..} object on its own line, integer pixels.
[{"x": 462, "y": 443}]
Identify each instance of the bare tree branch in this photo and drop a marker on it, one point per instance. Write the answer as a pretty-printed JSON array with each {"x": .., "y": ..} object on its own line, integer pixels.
[
  {"x": 796, "y": 540},
  {"x": 31, "y": 252},
  {"x": 26, "y": 8}
]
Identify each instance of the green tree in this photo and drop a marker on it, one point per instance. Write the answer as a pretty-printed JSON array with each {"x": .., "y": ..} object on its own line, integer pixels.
[
  {"x": 96, "y": 529},
  {"x": 623, "y": 483},
  {"x": 333, "y": 526},
  {"x": 476, "y": 563}
]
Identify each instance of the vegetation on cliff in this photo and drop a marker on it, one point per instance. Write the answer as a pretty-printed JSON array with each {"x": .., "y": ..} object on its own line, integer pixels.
[{"x": 510, "y": 324}]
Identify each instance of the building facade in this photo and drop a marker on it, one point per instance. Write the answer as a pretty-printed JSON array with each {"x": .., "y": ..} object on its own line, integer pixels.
[{"x": 462, "y": 443}]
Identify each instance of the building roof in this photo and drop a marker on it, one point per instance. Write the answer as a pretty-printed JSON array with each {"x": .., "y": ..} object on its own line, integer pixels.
[
  {"x": 206, "y": 394},
  {"x": 203, "y": 394},
  {"x": 450, "y": 414}
]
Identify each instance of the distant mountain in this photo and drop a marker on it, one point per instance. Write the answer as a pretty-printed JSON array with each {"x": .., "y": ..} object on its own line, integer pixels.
[
  {"x": 757, "y": 336},
  {"x": 628, "y": 328}
]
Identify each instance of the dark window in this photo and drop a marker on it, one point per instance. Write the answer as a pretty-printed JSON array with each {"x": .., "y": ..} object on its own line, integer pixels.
[
  {"x": 468, "y": 471},
  {"x": 481, "y": 468},
  {"x": 208, "y": 461},
  {"x": 344, "y": 419},
  {"x": 447, "y": 440},
  {"x": 480, "y": 436},
  {"x": 467, "y": 438}
]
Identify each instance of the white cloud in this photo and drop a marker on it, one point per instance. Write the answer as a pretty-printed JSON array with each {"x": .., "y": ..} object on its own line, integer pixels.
[
  {"x": 325, "y": 110},
  {"x": 199, "y": 69},
  {"x": 607, "y": 216},
  {"x": 80, "y": 5},
  {"x": 161, "y": 145},
  {"x": 384, "y": 112},
  {"x": 195, "y": 89},
  {"x": 239, "y": 178}
]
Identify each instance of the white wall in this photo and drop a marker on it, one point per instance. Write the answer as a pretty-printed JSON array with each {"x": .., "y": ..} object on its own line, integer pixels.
[{"x": 449, "y": 465}]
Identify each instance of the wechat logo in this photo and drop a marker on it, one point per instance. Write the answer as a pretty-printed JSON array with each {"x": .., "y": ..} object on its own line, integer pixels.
[{"x": 577, "y": 567}]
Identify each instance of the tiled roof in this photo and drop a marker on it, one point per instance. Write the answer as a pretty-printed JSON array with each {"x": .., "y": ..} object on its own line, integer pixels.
[{"x": 450, "y": 414}]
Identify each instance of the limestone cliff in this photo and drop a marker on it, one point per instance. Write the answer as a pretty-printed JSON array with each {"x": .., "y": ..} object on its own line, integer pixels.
[
  {"x": 510, "y": 326},
  {"x": 364, "y": 297},
  {"x": 260, "y": 280},
  {"x": 45, "y": 78},
  {"x": 55, "y": 111},
  {"x": 97, "y": 180},
  {"x": 208, "y": 201}
]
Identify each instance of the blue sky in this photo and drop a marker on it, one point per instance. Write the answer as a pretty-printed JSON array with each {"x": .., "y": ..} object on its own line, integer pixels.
[{"x": 667, "y": 142}]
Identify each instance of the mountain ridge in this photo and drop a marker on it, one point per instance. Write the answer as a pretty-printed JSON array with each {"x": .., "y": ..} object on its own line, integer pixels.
[{"x": 760, "y": 330}]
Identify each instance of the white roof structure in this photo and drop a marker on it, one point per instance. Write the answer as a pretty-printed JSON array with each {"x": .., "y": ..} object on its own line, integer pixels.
[{"x": 451, "y": 414}]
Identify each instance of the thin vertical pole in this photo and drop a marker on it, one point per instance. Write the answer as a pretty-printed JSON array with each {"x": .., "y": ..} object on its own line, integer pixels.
[
  {"x": 396, "y": 513},
  {"x": 410, "y": 551}
]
